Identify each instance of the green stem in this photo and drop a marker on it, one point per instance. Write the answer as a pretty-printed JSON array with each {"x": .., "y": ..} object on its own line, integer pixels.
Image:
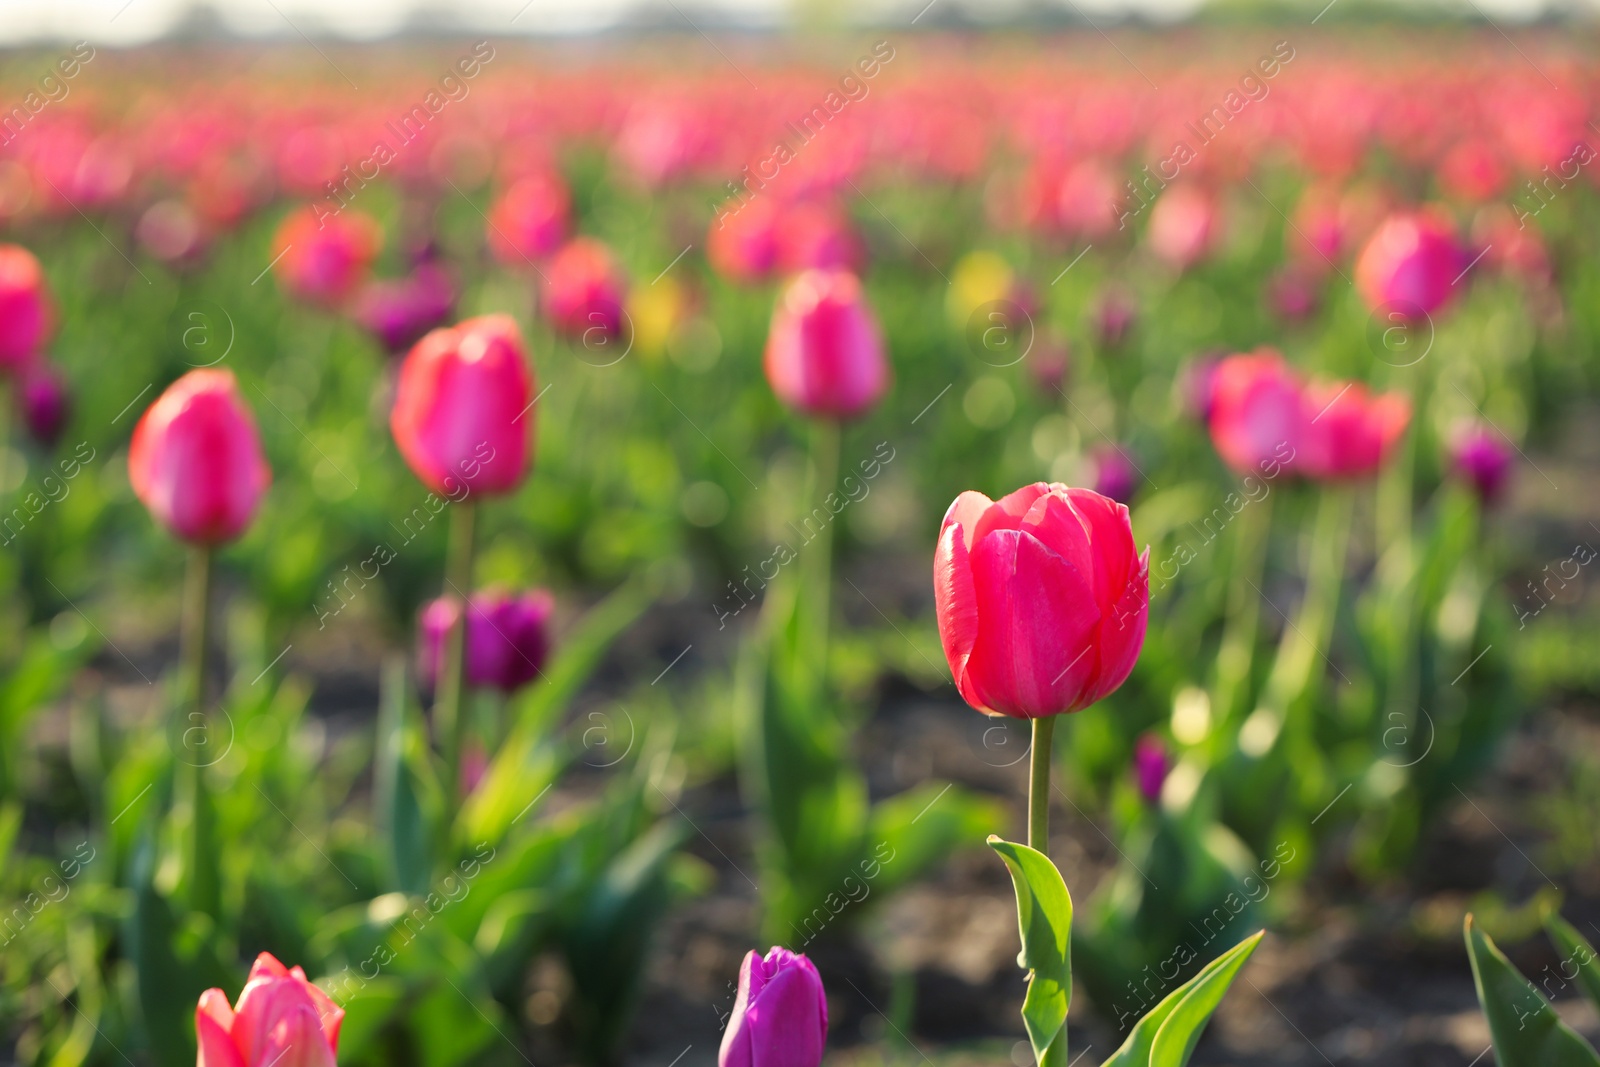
[
  {"x": 203, "y": 889},
  {"x": 822, "y": 480},
  {"x": 1237, "y": 651},
  {"x": 449, "y": 718},
  {"x": 1303, "y": 642},
  {"x": 1044, "y": 730}
]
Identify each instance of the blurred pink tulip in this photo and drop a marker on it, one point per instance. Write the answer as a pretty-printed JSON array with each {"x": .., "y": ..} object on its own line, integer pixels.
[
  {"x": 324, "y": 257},
  {"x": 463, "y": 412},
  {"x": 26, "y": 314},
  {"x": 1350, "y": 432},
  {"x": 399, "y": 311},
  {"x": 508, "y": 638},
  {"x": 1410, "y": 265},
  {"x": 583, "y": 291},
  {"x": 824, "y": 349},
  {"x": 1482, "y": 458},
  {"x": 529, "y": 220},
  {"x": 1257, "y": 412},
  {"x": 43, "y": 400},
  {"x": 742, "y": 243},
  {"x": 1183, "y": 226},
  {"x": 195, "y": 460}
]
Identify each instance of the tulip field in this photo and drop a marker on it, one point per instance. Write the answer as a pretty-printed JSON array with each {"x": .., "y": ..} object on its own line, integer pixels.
[{"x": 871, "y": 547}]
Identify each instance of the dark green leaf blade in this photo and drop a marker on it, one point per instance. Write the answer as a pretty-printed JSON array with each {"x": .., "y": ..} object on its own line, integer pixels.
[{"x": 1525, "y": 1028}]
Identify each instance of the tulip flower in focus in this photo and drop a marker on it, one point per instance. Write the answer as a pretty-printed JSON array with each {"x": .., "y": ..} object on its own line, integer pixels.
[
  {"x": 529, "y": 220},
  {"x": 26, "y": 315},
  {"x": 1410, "y": 265},
  {"x": 1350, "y": 432},
  {"x": 1114, "y": 473},
  {"x": 461, "y": 411},
  {"x": 508, "y": 638},
  {"x": 1041, "y": 599},
  {"x": 824, "y": 352},
  {"x": 323, "y": 257},
  {"x": 195, "y": 460},
  {"x": 1482, "y": 458},
  {"x": 43, "y": 401},
  {"x": 281, "y": 1020},
  {"x": 583, "y": 291},
  {"x": 1183, "y": 226},
  {"x": 399, "y": 311},
  {"x": 1151, "y": 763},
  {"x": 780, "y": 1017},
  {"x": 1257, "y": 412}
]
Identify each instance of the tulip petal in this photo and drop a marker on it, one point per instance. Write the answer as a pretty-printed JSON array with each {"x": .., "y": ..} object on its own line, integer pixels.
[
  {"x": 213, "y": 1019},
  {"x": 265, "y": 1003},
  {"x": 1110, "y": 543},
  {"x": 295, "y": 1039},
  {"x": 966, "y": 510},
  {"x": 1008, "y": 512},
  {"x": 1034, "y": 654},
  {"x": 1122, "y": 633},
  {"x": 783, "y": 1023},
  {"x": 955, "y": 601},
  {"x": 267, "y": 966}
]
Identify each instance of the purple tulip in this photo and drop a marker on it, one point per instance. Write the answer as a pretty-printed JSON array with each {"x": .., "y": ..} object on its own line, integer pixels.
[
  {"x": 1114, "y": 473},
  {"x": 399, "y": 311},
  {"x": 44, "y": 401},
  {"x": 1114, "y": 319},
  {"x": 780, "y": 1018},
  {"x": 508, "y": 638},
  {"x": 1483, "y": 459},
  {"x": 1150, "y": 766}
]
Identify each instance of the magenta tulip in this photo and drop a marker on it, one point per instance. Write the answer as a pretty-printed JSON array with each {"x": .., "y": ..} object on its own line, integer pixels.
[
  {"x": 508, "y": 638},
  {"x": 583, "y": 291},
  {"x": 529, "y": 220},
  {"x": 1114, "y": 473},
  {"x": 462, "y": 409},
  {"x": 324, "y": 257},
  {"x": 780, "y": 1017},
  {"x": 1041, "y": 599},
  {"x": 1183, "y": 226},
  {"x": 399, "y": 311},
  {"x": 195, "y": 460},
  {"x": 281, "y": 1020},
  {"x": 824, "y": 350},
  {"x": 1411, "y": 265},
  {"x": 1151, "y": 763},
  {"x": 1482, "y": 458},
  {"x": 43, "y": 400},
  {"x": 26, "y": 315}
]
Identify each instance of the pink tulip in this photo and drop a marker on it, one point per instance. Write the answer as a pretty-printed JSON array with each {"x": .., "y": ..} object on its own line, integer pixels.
[
  {"x": 816, "y": 236},
  {"x": 583, "y": 291},
  {"x": 1183, "y": 226},
  {"x": 529, "y": 220},
  {"x": 324, "y": 257},
  {"x": 1114, "y": 318},
  {"x": 462, "y": 410},
  {"x": 780, "y": 1017},
  {"x": 1482, "y": 458},
  {"x": 824, "y": 350},
  {"x": 1411, "y": 265},
  {"x": 195, "y": 460},
  {"x": 1257, "y": 417},
  {"x": 742, "y": 243},
  {"x": 26, "y": 316},
  {"x": 508, "y": 638},
  {"x": 1349, "y": 432},
  {"x": 281, "y": 1020},
  {"x": 1041, "y": 599}
]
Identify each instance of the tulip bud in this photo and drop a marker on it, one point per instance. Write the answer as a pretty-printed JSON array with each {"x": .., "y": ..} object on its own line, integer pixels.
[
  {"x": 1410, "y": 265},
  {"x": 1150, "y": 766},
  {"x": 1258, "y": 416},
  {"x": 1483, "y": 459},
  {"x": 780, "y": 1017},
  {"x": 1114, "y": 318},
  {"x": 1349, "y": 432},
  {"x": 1041, "y": 599},
  {"x": 583, "y": 291},
  {"x": 1292, "y": 294},
  {"x": 195, "y": 460},
  {"x": 508, "y": 638},
  {"x": 824, "y": 350},
  {"x": 323, "y": 257},
  {"x": 44, "y": 401},
  {"x": 26, "y": 315},
  {"x": 462, "y": 409},
  {"x": 399, "y": 311},
  {"x": 529, "y": 220},
  {"x": 281, "y": 1020},
  {"x": 1114, "y": 473}
]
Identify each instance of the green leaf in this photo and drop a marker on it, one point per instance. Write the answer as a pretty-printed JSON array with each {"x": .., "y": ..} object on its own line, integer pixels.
[
  {"x": 1525, "y": 1028},
  {"x": 400, "y": 790},
  {"x": 1577, "y": 951},
  {"x": 1166, "y": 1036},
  {"x": 913, "y": 831},
  {"x": 1044, "y": 916}
]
